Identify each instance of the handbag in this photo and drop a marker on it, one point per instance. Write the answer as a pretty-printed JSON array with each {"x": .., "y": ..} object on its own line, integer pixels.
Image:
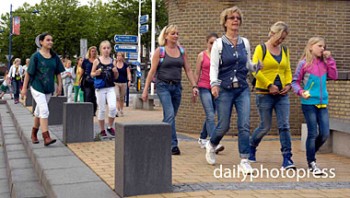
[{"x": 99, "y": 83}]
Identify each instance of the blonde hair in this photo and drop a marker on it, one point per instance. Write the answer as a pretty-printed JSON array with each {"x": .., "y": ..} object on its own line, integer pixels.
[
  {"x": 67, "y": 62},
  {"x": 87, "y": 56},
  {"x": 165, "y": 30},
  {"x": 307, "y": 55},
  {"x": 226, "y": 12},
  {"x": 122, "y": 54},
  {"x": 278, "y": 28},
  {"x": 16, "y": 59},
  {"x": 105, "y": 42}
]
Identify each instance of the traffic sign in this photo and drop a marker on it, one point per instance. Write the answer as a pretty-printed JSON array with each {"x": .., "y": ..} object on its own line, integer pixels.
[
  {"x": 144, "y": 19},
  {"x": 9, "y": 58},
  {"x": 143, "y": 29},
  {"x": 125, "y": 38},
  {"x": 125, "y": 48},
  {"x": 132, "y": 56}
]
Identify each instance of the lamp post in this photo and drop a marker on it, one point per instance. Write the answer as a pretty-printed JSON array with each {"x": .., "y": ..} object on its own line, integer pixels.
[{"x": 10, "y": 35}]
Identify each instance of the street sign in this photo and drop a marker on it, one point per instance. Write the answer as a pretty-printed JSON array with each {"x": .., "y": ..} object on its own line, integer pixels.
[
  {"x": 125, "y": 48},
  {"x": 131, "y": 56},
  {"x": 83, "y": 47},
  {"x": 144, "y": 19},
  {"x": 9, "y": 58},
  {"x": 143, "y": 29},
  {"x": 125, "y": 38}
]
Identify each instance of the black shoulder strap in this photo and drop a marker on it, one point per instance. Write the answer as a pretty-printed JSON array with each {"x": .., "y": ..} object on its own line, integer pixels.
[
  {"x": 263, "y": 47},
  {"x": 285, "y": 49}
]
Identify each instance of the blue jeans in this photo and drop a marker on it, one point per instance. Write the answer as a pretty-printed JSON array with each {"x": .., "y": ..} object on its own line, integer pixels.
[
  {"x": 315, "y": 117},
  {"x": 16, "y": 88},
  {"x": 266, "y": 103},
  {"x": 209, "y": 109},
  {"x": 239, "y": 97},
  {"x": 170, "y": 97}
]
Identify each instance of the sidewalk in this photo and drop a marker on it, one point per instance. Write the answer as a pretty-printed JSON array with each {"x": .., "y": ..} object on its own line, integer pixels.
[{"x": 193, "y": 177}]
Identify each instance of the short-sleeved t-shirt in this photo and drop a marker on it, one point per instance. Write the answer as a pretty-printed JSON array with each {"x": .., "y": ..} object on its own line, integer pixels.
[{"x": 42, "y": 72}]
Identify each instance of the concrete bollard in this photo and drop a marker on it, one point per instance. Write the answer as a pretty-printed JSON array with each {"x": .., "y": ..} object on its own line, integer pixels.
[
  {"x": 78, "y": 122},
  {"x": 55, "y": 108},
  {"x": 29, "y": 98},
  {"x": 142, "y": 158}
]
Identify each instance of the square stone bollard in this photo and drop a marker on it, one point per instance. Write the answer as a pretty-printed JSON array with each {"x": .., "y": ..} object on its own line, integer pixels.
[
  {"x": 29, "y": 98},
  {"x": 142, "y": 158},
  {"x": 78, "y": 122},
  {"x": 55, "y": 109}
]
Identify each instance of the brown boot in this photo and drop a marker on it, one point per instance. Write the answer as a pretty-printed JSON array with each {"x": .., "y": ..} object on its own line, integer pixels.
[
  {"x": 47, "y": 139},
  {"x": 35, "y": 136}
]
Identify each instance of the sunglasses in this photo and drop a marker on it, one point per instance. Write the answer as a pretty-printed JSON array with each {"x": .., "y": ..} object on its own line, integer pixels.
[{"x": 234, "y": 17}]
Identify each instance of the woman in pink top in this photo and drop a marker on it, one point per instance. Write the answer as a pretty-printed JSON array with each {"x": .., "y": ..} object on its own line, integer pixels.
[{"x": 203, "y": 79}]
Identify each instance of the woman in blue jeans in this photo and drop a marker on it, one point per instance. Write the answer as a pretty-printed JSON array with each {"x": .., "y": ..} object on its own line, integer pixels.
[
  {"x": 273, "y": 81},
  {"x": 229, "y": 63},
  {"x": 207, "y": 99},
  {"x": 168, "y": 61},
  {"x": 309, "y": 82}
]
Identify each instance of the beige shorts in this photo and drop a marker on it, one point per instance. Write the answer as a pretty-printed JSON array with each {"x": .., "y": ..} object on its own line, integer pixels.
[{"x": 120, "y": 90}]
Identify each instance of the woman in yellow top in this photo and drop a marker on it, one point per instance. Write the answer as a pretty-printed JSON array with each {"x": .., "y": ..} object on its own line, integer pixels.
[
  {"x": 78, "y": 71},
  {"x": 273, "y": 81}
]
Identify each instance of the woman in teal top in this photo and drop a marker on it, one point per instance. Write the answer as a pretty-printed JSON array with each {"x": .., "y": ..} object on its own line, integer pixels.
[{"x": 43, "y": 67}]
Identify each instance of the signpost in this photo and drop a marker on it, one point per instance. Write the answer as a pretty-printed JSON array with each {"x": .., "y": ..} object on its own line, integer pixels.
[
  {"x": 144, "y": 19},
  {"x": 125, "y": 48},
  {"x": 125, "y": 39},
  {"x": 144, "y": 29}
]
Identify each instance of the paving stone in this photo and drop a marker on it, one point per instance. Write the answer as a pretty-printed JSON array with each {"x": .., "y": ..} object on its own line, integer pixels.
[
  {"x": 4, "y": 186},
  {"x": 16, "y": 155},
  {"x": 59, "y": 162},
  {"x": 69, "y": 176},
  {"x": 21, "y": 175},
  {"x": 14, "y": 147},
  {"x": 5, "y": 195},
  {"x": 28, "y": 189},
  {"x": 86, "y": 190},
  {"x": 51, "y": 151},
  {"x": 3, "y": 173},
  {"x": 20, "y": 163},
  {"x": 11, "y": 141}
]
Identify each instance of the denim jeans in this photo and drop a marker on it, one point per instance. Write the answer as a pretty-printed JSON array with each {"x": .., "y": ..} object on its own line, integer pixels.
[
  {"x": 208, "y": 103},
  {"x": 315, "y": 118},
  {"x": 266, "y": 103},
  {"x": 170, "y": 97},
  {"x": 239, "y": 97},
  {"x": 16, "y": 88}
]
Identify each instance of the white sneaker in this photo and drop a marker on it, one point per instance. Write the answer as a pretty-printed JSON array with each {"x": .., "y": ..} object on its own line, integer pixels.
[
  {"x": 219, "y": 148},
  {"x": 121, "y": 113},
  {"x": 210, "y": 153},
  {"x": 202, "y": 142},
  {"x": 245, "y": 167},
  {"x": 315, "y": 169}
]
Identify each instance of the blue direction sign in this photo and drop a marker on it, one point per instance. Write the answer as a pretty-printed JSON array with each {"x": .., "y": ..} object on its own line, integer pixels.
[
  {"x": 125, "y": 48},
  {"x": 144, "y": 19},
  {"x": 131, "y": 56},
  {"x": 125, "y": 39},
  {"x": 143, "y": 29}
]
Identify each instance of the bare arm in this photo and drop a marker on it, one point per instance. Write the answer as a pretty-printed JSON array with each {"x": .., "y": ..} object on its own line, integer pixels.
[
  {"x": 190, "y": 76},
  {"x": 59, "y": 84},
  {"x": 94, "y": 71},
  {"x": 198, "y": 66},
  {"x": 151, "y": 73},
  {"x": 25, "y": 85},
  {"x": 129, "y": 75}
]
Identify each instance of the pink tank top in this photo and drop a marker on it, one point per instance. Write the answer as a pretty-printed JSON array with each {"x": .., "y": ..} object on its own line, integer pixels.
[{"x": 204, "y": 79}]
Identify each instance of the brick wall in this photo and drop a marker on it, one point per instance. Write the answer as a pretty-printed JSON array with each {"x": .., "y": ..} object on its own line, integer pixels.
[{"x": 306, "y": 18}]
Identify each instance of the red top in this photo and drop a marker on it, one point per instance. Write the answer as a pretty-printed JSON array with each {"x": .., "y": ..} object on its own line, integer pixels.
[{"x": 204, "y": 79}]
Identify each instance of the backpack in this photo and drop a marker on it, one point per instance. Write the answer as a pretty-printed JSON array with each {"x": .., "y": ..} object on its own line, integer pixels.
[
  {"x": 162, "y": 53},
  {"x": 263, "y": 47}
]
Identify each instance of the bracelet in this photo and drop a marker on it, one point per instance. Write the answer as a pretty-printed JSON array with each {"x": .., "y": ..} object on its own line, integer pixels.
[{"x": 194, "y": 86}]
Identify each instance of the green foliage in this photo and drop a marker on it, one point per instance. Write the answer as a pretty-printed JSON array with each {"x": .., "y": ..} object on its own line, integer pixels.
[{"x": 68, "y": 22}]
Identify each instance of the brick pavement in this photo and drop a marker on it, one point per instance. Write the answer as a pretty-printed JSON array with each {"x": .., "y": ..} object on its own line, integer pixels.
[{"x": 193, "y": 177}]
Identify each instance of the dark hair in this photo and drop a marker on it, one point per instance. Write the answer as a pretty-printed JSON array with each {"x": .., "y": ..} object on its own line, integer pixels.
[
  {"x": 42, "y": 37},
  {"x": 213, "y": 34}
]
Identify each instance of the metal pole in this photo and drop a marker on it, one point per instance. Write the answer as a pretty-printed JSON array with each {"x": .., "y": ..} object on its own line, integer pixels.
[
  {"x": 139, "y": 35},
  {"x": 10, "y": 38},
  {"x": 153, "y": 36}
]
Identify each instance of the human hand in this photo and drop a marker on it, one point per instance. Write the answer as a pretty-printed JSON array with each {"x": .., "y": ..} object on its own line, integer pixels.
[
  {"x": 144, "y": 95},
  {"x": 326, "y": 54},
  {"x": 285, "y": 90},
  {"x": 98, "y": 72},
  {"x": 215, "y": 91},
  {"x": 23, "y": 92},
  {"x": 305, "y": 94},
  {"x": 273, "y": 89}
]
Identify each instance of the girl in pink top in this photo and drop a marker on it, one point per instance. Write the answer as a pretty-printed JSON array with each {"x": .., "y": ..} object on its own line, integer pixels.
[{"x": 203, "y": 79}]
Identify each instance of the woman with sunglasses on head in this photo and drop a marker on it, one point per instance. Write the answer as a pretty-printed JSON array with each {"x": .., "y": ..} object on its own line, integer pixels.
[
  {"x": 43, "y": 67},
  {"x": 273, "y": 81},
  {"x": 168, "y": 61},
  {"x": 229, "y": 66},
  {"x": 207, "y": 99},
  {"x": 104, "y": 70}
]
